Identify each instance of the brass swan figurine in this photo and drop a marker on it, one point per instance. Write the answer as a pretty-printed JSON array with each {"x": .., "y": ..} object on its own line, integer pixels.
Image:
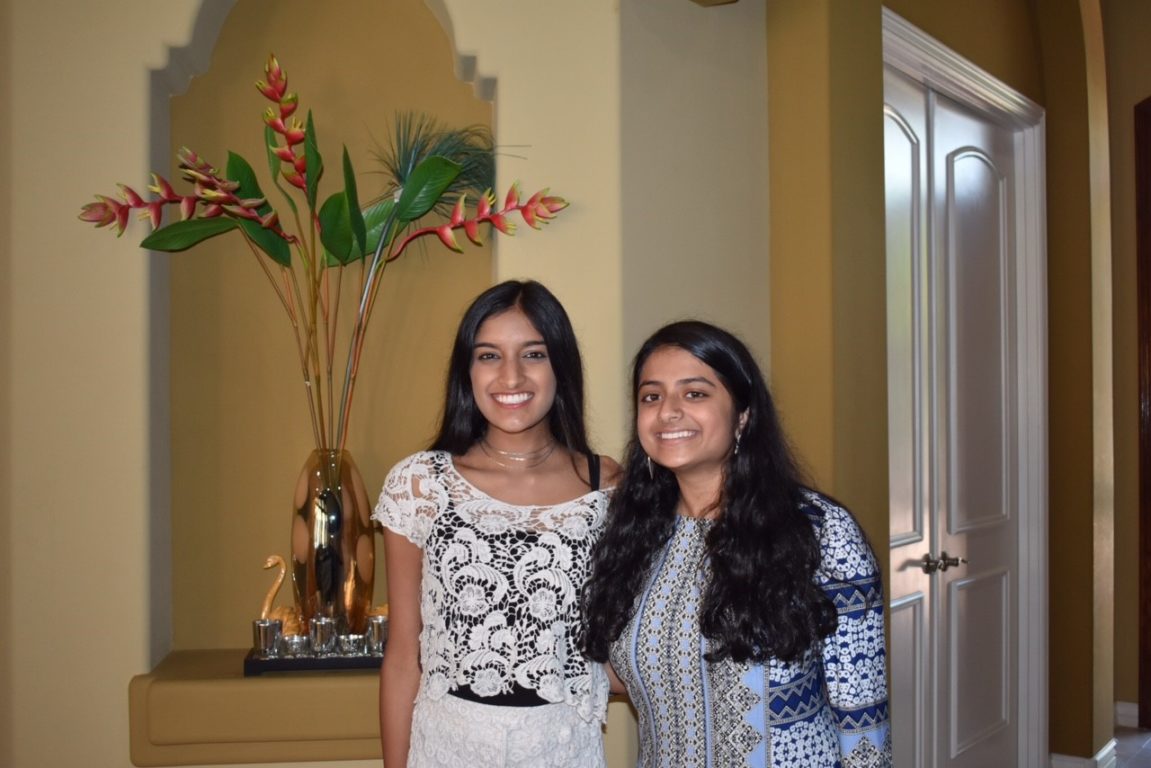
[{"x": 288, "y": 615}]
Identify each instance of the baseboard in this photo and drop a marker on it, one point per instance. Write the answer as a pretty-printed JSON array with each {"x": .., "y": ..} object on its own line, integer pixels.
[
  {"x": 1127, "y": 714},
  {"x": 1105, "y": 758}
]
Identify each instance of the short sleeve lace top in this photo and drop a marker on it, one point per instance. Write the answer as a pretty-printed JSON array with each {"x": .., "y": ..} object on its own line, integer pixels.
[{"x": 500, "y": 584}]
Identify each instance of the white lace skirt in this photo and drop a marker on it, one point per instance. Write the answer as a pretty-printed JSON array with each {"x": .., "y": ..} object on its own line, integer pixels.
[{"x": 452, "y": 732}]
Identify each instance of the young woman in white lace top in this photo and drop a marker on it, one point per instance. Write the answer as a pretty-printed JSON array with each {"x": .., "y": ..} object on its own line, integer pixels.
[{"x": 487, "y": 537}]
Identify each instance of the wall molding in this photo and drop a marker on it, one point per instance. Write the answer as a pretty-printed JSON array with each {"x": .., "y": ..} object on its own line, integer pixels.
[
  {"x": 1104, "y": 758},
  {"x": 1127, "y": 714}
]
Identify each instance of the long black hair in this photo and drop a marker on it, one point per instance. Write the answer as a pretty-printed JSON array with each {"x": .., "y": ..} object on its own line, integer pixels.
[
  {"x": 761, "y": 600},
  {"x": 463, "y": 424}
]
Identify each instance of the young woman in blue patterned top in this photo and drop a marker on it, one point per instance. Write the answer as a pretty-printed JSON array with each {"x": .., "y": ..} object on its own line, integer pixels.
[{"x": 741, "y": 610}]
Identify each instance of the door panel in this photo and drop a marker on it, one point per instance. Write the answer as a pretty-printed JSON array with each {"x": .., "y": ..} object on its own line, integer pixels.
[
  {"x": 952, "y": 378},
  {"x": 910, "y": 592},
  {"x": 975, "y": 449},
  {"x": 979, "y": 636},
  {"x": 909, "y": 684}
]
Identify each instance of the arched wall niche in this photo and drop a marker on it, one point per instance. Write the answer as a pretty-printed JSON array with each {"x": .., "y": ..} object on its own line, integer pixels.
[{"x": 239, "y": 427}]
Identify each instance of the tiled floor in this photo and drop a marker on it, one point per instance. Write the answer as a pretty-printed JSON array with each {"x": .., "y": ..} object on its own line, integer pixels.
[{"x": 1132, "y": 748}]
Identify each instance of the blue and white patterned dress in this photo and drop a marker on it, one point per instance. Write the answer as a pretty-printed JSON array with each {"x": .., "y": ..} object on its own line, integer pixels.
[{"x": 828, "y": 709}]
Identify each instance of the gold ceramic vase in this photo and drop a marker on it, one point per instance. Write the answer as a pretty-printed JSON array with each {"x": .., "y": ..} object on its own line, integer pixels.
[{"x": 333, "y": 549}]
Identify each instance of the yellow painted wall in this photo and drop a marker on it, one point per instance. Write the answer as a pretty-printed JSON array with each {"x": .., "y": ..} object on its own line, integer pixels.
[
  {"x": 6, "y": 443},
  {"x": 825, "y": 90},
  {"x": 1081, "y": 440},
  {"x": 1126, "y": 27}
]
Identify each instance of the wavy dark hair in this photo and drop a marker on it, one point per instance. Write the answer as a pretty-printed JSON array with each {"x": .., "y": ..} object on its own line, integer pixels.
[
  {"x": 463, "y": 424},
  {"x": 761, "y": 600}
]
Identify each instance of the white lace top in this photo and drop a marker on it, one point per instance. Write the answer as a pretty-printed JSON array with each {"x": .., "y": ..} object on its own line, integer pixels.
[{"x": 500, "y": 584}]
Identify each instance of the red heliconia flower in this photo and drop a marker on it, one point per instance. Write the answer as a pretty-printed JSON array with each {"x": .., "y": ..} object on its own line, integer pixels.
[
  {"x": 191, "y": 161},
  {"x": 130, "y": 195},
  {"x": 484, "y": 206},
  {"x": 448, "y": 238},
  {"x": 540, "y": 208},
  {"x": 295, "y": 179},
  {"x": 472, "y": 230},
  {"x": 513, "y": 196},
  {"x": 288, "y": 105},
  {"x": 535, "y": 211},
  {"x": 162, "y": 189},
  {"x": 554, "y": 204},
  {"x": 502, "y": 224},
  {"x": 187, "y": 207},
  {"x": 459, "y": 210},
  {"x": 273, "y": 89},
  {"x": 106, "y": 211},
  {"x": 295, "y": 133},
  {"x": 154, "y": 212}
]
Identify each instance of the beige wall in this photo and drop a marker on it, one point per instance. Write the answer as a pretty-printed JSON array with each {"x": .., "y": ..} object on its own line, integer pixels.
[
  {"x": 76, "y": 502},
  {"x": 693, "y": 160},
  {"x": 1126, "y": 25},
  {"x": 556, "y": 73}
]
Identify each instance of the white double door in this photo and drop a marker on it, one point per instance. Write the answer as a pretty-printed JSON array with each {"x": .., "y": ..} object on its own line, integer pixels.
[{"x": 964, "y": 341}]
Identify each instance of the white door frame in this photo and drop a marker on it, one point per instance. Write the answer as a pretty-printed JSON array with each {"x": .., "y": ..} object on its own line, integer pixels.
[{"x": 925, "y": 60}]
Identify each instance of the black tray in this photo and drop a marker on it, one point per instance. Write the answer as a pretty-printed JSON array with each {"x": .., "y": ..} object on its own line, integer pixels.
[{"x": 254, "y": 666}]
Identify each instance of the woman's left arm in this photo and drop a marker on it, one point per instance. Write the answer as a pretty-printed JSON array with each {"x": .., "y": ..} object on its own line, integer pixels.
[{"x": 854, "y": 655}]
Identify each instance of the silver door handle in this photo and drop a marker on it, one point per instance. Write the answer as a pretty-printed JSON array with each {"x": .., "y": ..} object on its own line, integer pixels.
[{"x": 942, "y": 563}]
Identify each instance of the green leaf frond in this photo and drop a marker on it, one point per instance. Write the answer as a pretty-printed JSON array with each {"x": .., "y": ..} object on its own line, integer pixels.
[{"x": 416, "y": 136}]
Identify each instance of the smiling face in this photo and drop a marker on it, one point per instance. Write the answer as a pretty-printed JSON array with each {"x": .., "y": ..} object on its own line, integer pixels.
[
  {"x": 685, "y": 417},
  {"x": 512, "y": 380}
]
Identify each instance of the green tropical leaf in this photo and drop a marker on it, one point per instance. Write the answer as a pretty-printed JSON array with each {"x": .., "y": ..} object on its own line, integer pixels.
[
  {"x": 336, "y": 229},
  {"x": 315, "y": 162},
  {"x": 274, "y": 165},
  {"x": 355, "y": 215},
  {"x": 182, "y": 235},
  {"x": 378, "y": 218},
  {"x": 240, "y": 171},
  {"x": 425, "y": 186}
]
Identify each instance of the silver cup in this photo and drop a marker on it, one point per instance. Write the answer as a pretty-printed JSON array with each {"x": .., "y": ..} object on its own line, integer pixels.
[
  {"x": 266, "y": 637},
  {"x": 351, "y": 645},
  {"x": 377, "y": 634},
  {"x": 294, "y": 646},
  {"x": 323, "y": 634}
]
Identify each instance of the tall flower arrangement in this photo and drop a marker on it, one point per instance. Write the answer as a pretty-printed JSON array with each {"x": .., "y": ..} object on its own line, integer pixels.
[{"x": 306, "y": 246}]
